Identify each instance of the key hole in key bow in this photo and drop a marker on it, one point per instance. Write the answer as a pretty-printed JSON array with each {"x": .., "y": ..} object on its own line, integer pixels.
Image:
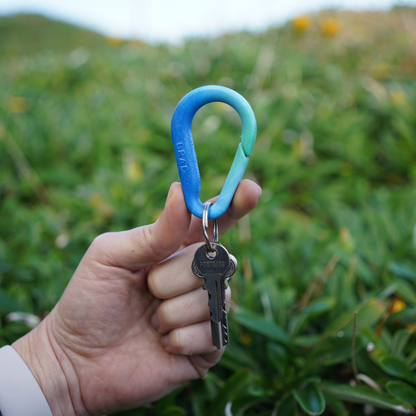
[{"x": 211, "y": 254}]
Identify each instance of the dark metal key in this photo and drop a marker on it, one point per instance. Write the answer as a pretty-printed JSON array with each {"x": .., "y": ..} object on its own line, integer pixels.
[{"x": 215, "y": 267}]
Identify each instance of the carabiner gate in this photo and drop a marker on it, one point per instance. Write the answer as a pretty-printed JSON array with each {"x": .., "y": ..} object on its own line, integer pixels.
[{"x": 185, "y": 150}]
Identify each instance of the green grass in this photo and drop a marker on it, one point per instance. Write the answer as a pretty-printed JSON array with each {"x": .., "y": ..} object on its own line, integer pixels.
[{"x": 85, "y": 148}]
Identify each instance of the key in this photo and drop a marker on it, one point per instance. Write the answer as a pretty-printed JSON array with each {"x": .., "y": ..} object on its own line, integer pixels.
[
  {"x": 231, "y": 270},
  {"x": 215, "y": 267}
]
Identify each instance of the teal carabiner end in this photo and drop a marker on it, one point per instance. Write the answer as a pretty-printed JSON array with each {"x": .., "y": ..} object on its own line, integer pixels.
[{"x": 185, "y": 151}]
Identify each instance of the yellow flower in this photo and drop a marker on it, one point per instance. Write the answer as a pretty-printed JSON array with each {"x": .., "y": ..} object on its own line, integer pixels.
[
  {"x": 16, "y": 105},
  {"x": 114, "y": 41},
  {"x": 246, "y": 338},
  {"x": 398, "y": 97},
  {"x": 132, "y": 169},
  {"x": 138, "y": 43},
  {"x": 411, "y": 327},
  {"x": 330, "y": 26},
  {"x": 102, "y": 208},
  {"x": 302, "y": 23},
  {"x": 346, "y": 240},
  {"x": 397, "y": 305}
]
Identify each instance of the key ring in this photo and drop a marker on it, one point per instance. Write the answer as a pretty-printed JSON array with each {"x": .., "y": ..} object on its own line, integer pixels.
[
  {"x": 185, "y": 150},
  {"x": 208, "y": 245}
]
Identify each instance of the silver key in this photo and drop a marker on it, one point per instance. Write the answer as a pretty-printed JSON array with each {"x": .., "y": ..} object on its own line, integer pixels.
[
  {"x": 231, "y": 270},
  {"x": 215, "y": 267}
]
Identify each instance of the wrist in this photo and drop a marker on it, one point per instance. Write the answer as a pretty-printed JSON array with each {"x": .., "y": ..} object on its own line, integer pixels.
[{"x": 39, "y": 352}]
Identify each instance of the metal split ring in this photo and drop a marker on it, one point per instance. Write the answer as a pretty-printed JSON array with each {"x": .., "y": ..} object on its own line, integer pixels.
[{"x": 205, "y": 226}]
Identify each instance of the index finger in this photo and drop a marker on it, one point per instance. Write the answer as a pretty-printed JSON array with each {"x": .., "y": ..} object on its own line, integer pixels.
[{"x": 245, "y": 199}]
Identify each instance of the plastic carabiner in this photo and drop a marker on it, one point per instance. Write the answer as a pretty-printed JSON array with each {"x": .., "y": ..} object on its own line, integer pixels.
[{"x": 185, "y": 150}]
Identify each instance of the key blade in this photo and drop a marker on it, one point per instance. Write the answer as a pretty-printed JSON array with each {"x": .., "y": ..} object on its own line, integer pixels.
[
  {"x": 215, "y": 303},
  {"x": 217, "y": 334},
  {"x": 219, "y": 330}
]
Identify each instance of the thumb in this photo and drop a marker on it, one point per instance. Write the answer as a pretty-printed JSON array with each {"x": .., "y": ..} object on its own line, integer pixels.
[{"x": 145, "y": 246}]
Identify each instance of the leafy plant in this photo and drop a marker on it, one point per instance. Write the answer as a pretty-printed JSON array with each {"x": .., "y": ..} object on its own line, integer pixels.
[{"x": 324, "y": 302}]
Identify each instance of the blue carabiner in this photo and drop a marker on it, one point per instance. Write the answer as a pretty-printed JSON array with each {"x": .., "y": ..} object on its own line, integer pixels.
[{"x": 185, "y": 150}]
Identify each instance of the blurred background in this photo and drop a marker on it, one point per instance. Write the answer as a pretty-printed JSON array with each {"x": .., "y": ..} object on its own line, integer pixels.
[
  {"x": 323, "y": 315},
  {"x": 173, "y": 22}
]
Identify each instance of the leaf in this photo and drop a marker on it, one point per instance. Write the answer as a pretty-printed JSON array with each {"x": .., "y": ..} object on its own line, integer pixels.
[
  {"x": 277, "y": 356},
  {"x": 262, "y": 326},
  {"x": 172, "y": 411},
  {"x": 406, "y": 291},
  {"x": 212, "y": 384},
  {"x": 237, "y": 358},
  {"x": 336, "y": 405},
  {"x": 368, "y": 335},
  {"x": 401, "y": 270},
  {"x": 310, "y": 398},
  {"x": 275, "y": 297},
  {"x": 365, "y": 395},
  {"x": 242, "y": 403},
  {"x": 198, "y": 407},
  {"x": 404, "y": 317},
  {"x": 287, "y": 406},
  {"x": 399, "y": 342},
  {"x": 368, "y": 315},
  {"x": 332, "y": 351},
  {"x": 319, "y": 307},
  {"x": 397, "y": 368},
  {"x": 226, "y": 393},
  {"x": 306, "y": 340},
  {"x": 8, "y": 303},
  {"x": 369, "y": 312},
  {"x": 368, "y": 367},
  {"x": 402, "y": 391}
]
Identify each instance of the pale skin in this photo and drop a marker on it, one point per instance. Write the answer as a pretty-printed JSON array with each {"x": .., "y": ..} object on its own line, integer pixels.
[{"x": 133, "y": 323}]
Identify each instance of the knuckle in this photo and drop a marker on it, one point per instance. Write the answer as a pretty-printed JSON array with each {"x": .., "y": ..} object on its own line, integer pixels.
[
  {"x": 202, "y": 372},
  {"x": 155, "y": 283},
  {"x": 166, "y": 316},
  {"x": 101, "y": 240},
  {"x": 178, "y": 343},
  {"x": 101, "y": 244}
]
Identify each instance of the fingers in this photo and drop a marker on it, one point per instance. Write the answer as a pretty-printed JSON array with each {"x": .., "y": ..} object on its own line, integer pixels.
[
  {"x": 174, "y": 276},
  {"x": 144, "y": 246},
  {"x": 245, "y": 199},
  {"x": 192, "y": 340},
  {"x": 185, "y": 310},
  {"x": 195, "y": 342}
]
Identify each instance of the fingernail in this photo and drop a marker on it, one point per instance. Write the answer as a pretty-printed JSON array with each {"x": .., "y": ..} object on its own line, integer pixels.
[
  {"x": 165, "y": 340},
  {"x": 169, "y": 194},
  {"x": 154, "y": 321},
  {"x": 260, "y": 190}
]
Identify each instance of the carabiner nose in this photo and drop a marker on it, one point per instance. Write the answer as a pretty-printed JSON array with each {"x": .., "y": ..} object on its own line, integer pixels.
[{"x": 185, "y": 151}]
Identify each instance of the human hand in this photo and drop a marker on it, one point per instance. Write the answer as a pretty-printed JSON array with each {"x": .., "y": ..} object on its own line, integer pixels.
[{"x": 133, "y": 323}]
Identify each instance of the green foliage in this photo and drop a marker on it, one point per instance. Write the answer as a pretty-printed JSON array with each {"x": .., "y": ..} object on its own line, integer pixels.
[{"x": 85, "y": 148}]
